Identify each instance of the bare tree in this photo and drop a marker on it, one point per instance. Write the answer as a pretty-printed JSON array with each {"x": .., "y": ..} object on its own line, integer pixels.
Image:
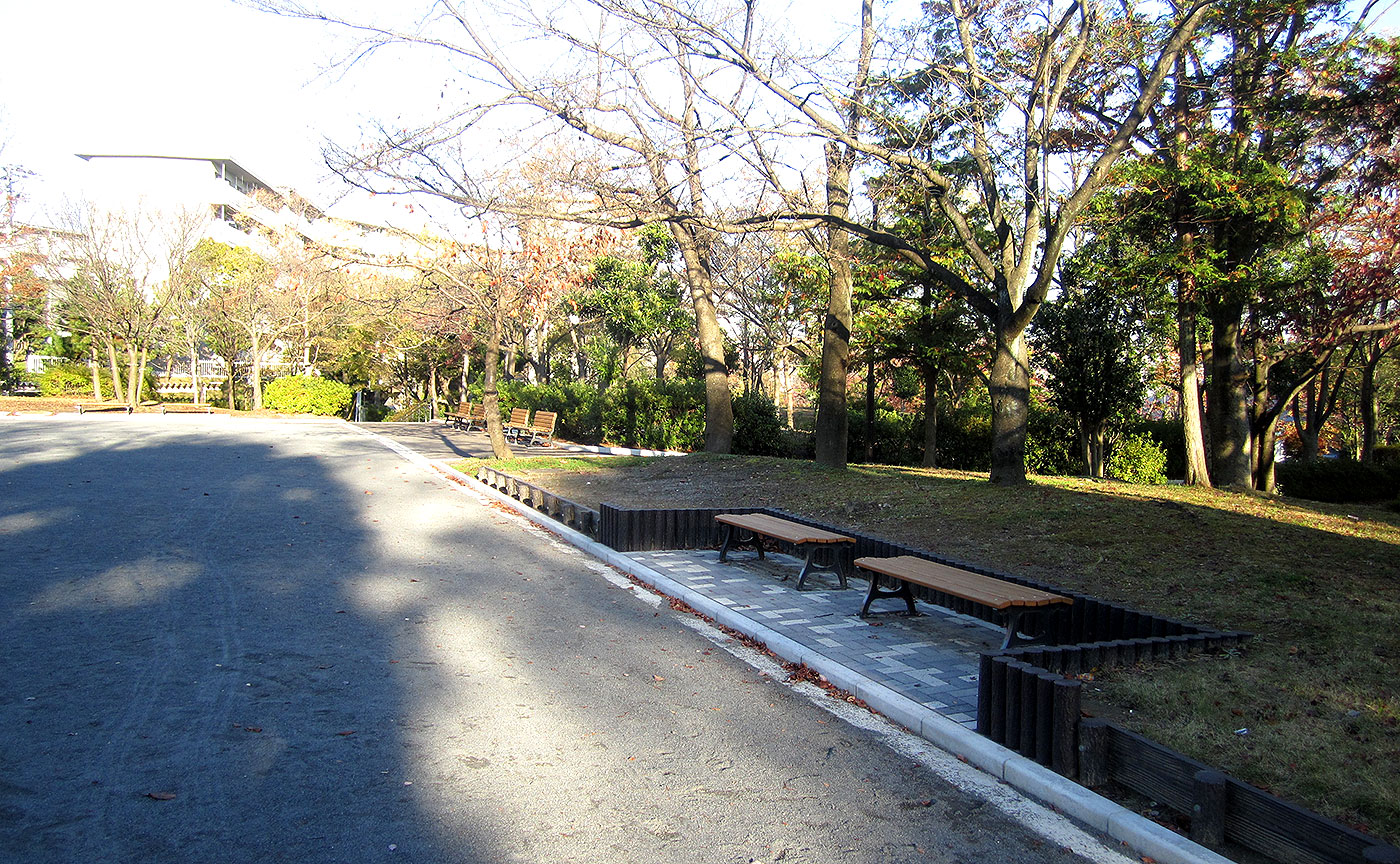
[
  {"x": 124, "y": 259},
  {"x": 634, "y": 101}
]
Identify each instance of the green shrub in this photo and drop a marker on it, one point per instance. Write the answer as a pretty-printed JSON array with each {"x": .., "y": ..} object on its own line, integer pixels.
[
  {"x": 71, "y": 379},
  {"x": 662, "y": 415},
  {"x": 304, "y": 394},
  {"x": 757, "y": 429},
  {"x": 1169, "y": 436},
  {"x": 1052, "y": 442},
  {"x": 666, "y": 415},
  {"x": 1386, "y": 456},
  {"x": 1138, "y": 459},
  {"x": 1337, "y": 480},
  {"x": 965, "y": 439},
  {"x": 896, "y": 438},
  {"x": 579, "y": 406}
]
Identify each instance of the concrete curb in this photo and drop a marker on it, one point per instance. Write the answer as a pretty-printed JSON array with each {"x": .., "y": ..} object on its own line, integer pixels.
[
  {"x": 614, "y": 451},
  {"x": 1142, "y": 835}
]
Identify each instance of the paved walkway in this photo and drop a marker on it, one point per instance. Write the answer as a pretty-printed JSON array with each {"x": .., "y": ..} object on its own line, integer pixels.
[{"x": 932, "y": 659}]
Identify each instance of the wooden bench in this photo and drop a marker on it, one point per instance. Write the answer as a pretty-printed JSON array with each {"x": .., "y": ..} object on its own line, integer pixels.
[
  {"x": 185, "y": 408},
  {"x": 812, "y": 542},
  {"x": 1013, "y": 601},
  {"x": 466, "y": 416},
  {"x": 476, "y": 419},
  {"x": 542, "y": 429},
  {"x": 518, "y": 424},
  {"x": 103, "y": 406}
]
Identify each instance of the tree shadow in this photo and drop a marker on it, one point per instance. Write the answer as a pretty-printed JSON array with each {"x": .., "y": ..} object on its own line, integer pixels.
[{"x": 191, "y": 670}]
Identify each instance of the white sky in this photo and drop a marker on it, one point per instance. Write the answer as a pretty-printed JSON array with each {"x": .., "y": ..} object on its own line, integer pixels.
[
  {"x": 196, "y": 78},
  {"x": 167, "y": 77}
]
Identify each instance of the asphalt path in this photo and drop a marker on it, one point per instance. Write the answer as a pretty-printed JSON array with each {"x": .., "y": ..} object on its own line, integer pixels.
[{"x": 232, "y": 640}]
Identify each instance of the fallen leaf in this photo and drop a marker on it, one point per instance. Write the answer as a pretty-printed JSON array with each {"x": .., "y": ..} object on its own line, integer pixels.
[
  {"x": 346, "y": 732},
  {"x": 252, "y": 728},
  {"x": 161, "y": 796},
  {"x": 657, "y": 678}
]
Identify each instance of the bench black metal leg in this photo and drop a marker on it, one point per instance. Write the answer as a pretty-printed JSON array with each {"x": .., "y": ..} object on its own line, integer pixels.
[
  {"x": 806, "y": 566},
  {"x": 837, "y": 565},
  {"x": 1013, "y": 625},
  {"x": 734, "y": 539},
  {"x": 902, "y": 592},
  {"x": 1014, "y": 618}
]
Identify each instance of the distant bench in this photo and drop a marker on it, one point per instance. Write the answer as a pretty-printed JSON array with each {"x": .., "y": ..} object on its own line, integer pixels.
[
  {"x": 812, "y": 542},
  {"x": 467, "y": 416},
  {"x": 103, "y": 406},
  {"x": 1014, "y": 602},
  {"x": 185, "y": 408}
]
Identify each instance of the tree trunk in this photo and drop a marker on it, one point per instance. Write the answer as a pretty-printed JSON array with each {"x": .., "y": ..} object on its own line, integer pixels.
[
  {"x": 231, "y": 376},
  {"x": 719, "y": 405},
  {"x": 490, "y": 397},
  {"x": 194, "y": 371},
  {"x": 930, "y": 459},
  {"x": 832, "y": 422},
  {"x": 432, "y": 391},
  {"x": 1267, "y": 441},
  {"x": 1263, "y": 423},
  {"x": 870, "y": 410},
  {"x": 1228, "y": 410},
  {"x": 1010, "y": 386},
  {"x": 1308, "y": 432},
  {"x": 832, "y": 430},
  {"x": 1313, "y": 406},
  {"x": 136, "y": 375},
  {"x": 96, "y": 367},
  {"x": 1369, "y": 399},
  {"x": 507, "y": 370},
  {"x": 118, "y": 390},
  {"x": 1197, "y": 469},
  {"x": 257, "y": 372},
  {"x": 788, "y": 395}
]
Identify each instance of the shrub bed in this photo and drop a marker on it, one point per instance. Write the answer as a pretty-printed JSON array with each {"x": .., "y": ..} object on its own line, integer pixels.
[
  {"x": 304, "y": 394},
  {"x": 1338, "y": 480}
]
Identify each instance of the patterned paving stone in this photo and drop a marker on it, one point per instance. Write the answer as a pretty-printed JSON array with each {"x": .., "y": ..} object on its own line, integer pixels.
[{"x": 932, "y": 658}]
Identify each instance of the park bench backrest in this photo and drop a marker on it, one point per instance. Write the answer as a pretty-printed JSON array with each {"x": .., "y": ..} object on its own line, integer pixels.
[{"x": 544, "y": 422}]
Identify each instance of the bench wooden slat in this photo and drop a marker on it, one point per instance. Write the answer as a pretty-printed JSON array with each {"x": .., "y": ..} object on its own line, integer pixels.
[
  {"x": 987, "y": 590},
  {"x": 781, "y": 529},
  {"x": 542, "y": 428}
]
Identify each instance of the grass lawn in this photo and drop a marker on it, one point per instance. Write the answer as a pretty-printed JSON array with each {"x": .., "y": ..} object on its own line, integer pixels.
[{"x": 1317, "y": 690}]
